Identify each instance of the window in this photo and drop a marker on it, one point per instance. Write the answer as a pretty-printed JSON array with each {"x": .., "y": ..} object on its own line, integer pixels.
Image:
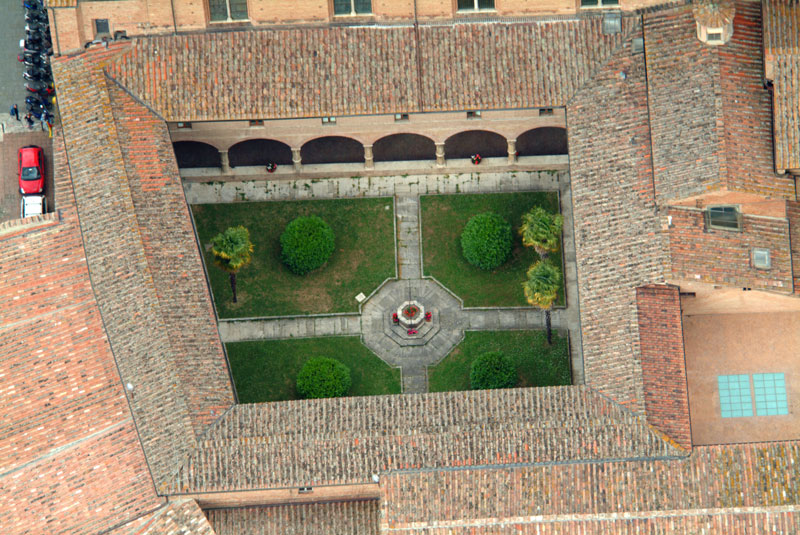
[
  {"x": 329, "y": 120},
  {"x": 714, "y": 36},
  {"x": 475, "y": 5},
  {"x": 770, "y": 392},
  {"x": 545, "y": 111},
  {"x": 761, "y": 259},
  {"x": 734, "y": 396},
  {"x": 257, "y": 122},
  {"x": 599, "y": 3},
  {"x": 612, "y": 23},
  {"x": 400, "y": 117},
  {"x": 473, "y": 115},
  {"x": 724, "y": 217},
  {"x": 101, "y": 27},
  {"x": 352, "y": 7},
  {"x": 185, "y": 125},
  {"x": 637, "y": 45},
  {"x": 227, "y": 10}
]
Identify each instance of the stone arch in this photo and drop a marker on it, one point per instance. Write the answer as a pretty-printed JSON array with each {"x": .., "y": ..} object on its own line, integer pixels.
[
  {"x": 332, "y": 149},
  {"x": 259, "y": 152},
  {"x": 399, "y": 147},
  {"x": 196, "y": 154},
  {"x": 465, "y": 144},
  {"x": 543, "y": 141}
]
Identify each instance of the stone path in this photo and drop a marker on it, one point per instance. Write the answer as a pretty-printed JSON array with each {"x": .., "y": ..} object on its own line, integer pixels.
[
  {"x": 412, "y": 353},
  {"x": 408, "y": 248},
  {"x": 290, "y": 327}
]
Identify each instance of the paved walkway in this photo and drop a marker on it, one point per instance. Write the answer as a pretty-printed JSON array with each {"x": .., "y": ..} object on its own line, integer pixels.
[
  {"x": 434, "y": 339},
  {"x": 408, "y": 248}
]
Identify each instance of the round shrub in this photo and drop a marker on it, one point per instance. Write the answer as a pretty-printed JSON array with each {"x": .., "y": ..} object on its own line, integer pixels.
[
  {"x": 486, "y": 240},
  {"x": 492, "y": 370},
  {"x": 323, "y": 377},
  {"x": 306, "y": 244}
]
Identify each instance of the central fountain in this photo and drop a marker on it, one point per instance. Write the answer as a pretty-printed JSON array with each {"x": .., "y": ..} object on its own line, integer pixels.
[{"x": 411, "y": 314}]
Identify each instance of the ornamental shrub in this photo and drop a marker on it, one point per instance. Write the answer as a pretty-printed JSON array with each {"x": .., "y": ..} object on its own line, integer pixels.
[
  {"x": 306, "y": 244},
  {"x": 492, "y": 370},
  {"x": 323, "y": 377},
  {"x": 486, "y": 240}
]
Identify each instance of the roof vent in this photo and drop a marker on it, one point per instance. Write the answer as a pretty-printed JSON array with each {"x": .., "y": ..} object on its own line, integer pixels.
[{"x": 612, "y": 23}]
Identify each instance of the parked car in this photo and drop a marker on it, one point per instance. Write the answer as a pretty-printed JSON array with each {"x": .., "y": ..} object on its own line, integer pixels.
[
  {"x": 32, "y": 205},
  {"x": 31, "y": 170}
]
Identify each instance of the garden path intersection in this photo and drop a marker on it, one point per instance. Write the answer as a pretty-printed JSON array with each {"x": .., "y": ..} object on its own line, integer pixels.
[{"x": 449, "y": 319}]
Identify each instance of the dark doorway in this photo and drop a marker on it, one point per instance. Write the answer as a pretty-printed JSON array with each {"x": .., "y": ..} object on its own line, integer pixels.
[
  {"x": 332, "y": 149},
  {"x": 465, "y": 144},
  {"x": 399, "y": 147},
  {"x": 259, "y": 152},
  {"x": 196, "y": 154},
  {"x": 543, "y": 141}
]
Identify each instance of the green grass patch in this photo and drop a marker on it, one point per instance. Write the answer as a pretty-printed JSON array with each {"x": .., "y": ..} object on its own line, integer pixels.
[
  {"x": 364, "y": 256},
  {"x": 537, "y": 363},
  {"x": 443, "y": 220},
  {"x": 266, "y": 370}
]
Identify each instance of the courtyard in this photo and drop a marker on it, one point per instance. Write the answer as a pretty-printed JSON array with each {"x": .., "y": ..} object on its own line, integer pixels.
[{"x": 397, "y": 241}]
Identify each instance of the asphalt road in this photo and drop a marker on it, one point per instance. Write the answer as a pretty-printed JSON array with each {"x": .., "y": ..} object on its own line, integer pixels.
[{"x": 12, "y": 29}]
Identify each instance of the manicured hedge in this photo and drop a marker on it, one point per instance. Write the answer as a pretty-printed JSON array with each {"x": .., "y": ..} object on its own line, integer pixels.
[
  {"x": 486, "y": 240},
  {"x": 306, "y": 244},
  {"x": 323, "y": 377},
  {"x": 492, "y": 370}
]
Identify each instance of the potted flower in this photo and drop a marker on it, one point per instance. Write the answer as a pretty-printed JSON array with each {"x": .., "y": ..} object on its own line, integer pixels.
[{"x": 395, "y": 319}]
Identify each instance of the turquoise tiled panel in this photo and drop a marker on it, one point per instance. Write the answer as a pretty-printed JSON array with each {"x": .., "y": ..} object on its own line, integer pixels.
[
  {"x": 734, "y": 396},
  {"x": 770, "y": 393}
]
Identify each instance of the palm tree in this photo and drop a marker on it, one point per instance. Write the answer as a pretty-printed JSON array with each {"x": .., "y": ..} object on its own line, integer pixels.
[
  {"x": 541, "y": 230},
  {"x": 541, "y": 289},
  {"x": 231, "y": 250}
]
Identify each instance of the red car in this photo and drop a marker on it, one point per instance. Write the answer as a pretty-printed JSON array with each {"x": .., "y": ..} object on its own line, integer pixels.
[{"x": 31, "y": 170}]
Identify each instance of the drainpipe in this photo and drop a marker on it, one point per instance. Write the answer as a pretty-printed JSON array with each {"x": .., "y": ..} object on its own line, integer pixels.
[{"x": 172, "y": 10}]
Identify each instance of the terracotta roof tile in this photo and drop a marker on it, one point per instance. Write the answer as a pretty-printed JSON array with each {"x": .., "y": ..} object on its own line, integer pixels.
[
  {"x": 70, "y": 458},
  {"x": 173, "y": 258},
  {"x": 353, "y": 518},
  {"x": 122, "y": 282},
  {"x": 346, "y": 440},
  {"x": 616, "y": 229},
  {"x": 782, "y": 62},
  {"x": 349, "y": 71},
  {"x": 725, "y": 481}
]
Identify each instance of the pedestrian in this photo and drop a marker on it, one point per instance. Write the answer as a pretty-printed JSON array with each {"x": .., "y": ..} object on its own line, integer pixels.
[
  {"x": 29, "y": 120},
  {"x": 14, "y": 112}
]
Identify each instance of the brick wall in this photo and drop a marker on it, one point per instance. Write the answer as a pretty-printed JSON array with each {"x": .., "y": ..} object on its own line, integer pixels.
[
  {"x": 793, "y": 215},
  {"x": 666, "y": 393},
  {"x": 724, "y": 256}
]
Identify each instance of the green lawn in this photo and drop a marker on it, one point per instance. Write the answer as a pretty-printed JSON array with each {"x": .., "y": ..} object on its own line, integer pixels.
[
  {"x": 364, "y": 256},
  {"x": 443, "y": 220},
  {"x": 537, "y": 363},
  {"x": 266, "y": 370}
]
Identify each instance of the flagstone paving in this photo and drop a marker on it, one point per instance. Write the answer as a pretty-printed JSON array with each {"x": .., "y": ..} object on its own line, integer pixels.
[{"x": 414, "y": 352}]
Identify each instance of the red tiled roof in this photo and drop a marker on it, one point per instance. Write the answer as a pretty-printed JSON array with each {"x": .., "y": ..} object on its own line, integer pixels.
[
  {"x": 709, "y": 112},
  {"x": 744, "y": 485},
  {"x": 616, "y": 229},
  {"x": 351, "y": 71},
  {"x": 346, "y": 440},
  {"x": 666, "y": 392},
  {"x": 173, "y": 258},
  {"x": 351, "y": 518},
  {"x": 70, "y": 458},
  {"x": 782, "y": 62}
]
